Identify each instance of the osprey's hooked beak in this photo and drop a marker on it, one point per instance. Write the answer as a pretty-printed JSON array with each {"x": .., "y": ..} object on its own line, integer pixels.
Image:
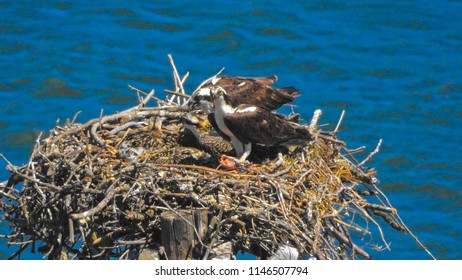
[
  {"x": 198, "y": 99},
  {"x": 190, "y": 104}
]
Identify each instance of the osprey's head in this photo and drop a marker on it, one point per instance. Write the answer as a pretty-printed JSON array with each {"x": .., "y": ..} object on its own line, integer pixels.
[
  {"x": 200, "y": 99},
  {"x": 218, "y": 94},
  {"x": 190, "y": 120}
]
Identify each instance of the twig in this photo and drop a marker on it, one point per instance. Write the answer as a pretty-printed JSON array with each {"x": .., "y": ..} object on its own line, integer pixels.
[
  {"x": 125, "y": 126},
  {"x": 176, "y": 93},
  {"x": 37, "y": 188},
  {"x": 2, "y": 193},
  {"x": 71, "y": 230},
  {"x": 126, "y": 113},
  {"x": 75, "y": 117},
  {"x": 376, "y": 150},
  {"x": 145, "y": 100},
  {"x": 314, "y": 121},
  {"x": 369, "y": 218},
  {"x": 6, "y": 160},
  {"x": 348, "y": 242},
  {"x": 101, "y": 204},
  {"x": 19, "y": 251},
  {"x": 35, "y": 180},
  {"x": 204, "y": 168},
  {"x": 380, "y": 208},
  {"x": 138, "y": 91},
  {"x": 177, "y": 79},
  {"x": 94, "y": 134},
  {"x": 214, "y": 235},
  {"x": 339, "y": 123}
]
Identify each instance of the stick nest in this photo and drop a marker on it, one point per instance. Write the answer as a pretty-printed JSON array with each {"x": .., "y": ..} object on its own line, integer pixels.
[{"x": 97, "y": 191}]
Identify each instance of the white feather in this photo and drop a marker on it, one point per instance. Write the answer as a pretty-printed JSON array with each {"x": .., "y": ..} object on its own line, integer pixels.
[
  {"x": 204, "y": 92},
  {"x": 221, "y": 109},
  {"x": 215, "y": 79},
  {"x": 248, "y": 109}
]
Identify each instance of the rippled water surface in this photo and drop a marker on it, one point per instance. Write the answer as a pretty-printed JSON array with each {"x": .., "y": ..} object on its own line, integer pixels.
[{"x": 395, "y": 67}]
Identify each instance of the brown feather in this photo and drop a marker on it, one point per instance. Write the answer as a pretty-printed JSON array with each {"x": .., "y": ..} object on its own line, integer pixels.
[
  {"x": 266, "y": 128},
  {"x": 254, "y": 90}
]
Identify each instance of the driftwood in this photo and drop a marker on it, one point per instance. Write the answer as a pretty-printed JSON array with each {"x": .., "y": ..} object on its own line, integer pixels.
[{"x": 136, "y": 185}]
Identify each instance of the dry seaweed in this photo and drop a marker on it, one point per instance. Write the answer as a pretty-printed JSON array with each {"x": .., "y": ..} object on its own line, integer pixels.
[{"x": 98, "y": 190}]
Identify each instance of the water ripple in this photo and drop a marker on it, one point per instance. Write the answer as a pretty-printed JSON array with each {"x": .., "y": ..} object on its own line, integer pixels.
[{"x": 53, "y": 87}]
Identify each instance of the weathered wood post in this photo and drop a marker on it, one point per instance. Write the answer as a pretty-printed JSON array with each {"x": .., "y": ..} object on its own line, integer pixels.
[{"x": 182, "y": 231}]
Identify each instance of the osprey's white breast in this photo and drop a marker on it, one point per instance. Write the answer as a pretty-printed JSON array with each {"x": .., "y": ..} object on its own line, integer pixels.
[{"x": 221, "y": 108}]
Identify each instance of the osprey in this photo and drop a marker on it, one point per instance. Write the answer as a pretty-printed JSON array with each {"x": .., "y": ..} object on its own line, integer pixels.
[
  {"x": 204, "y": 138},
  {"x": 243, "y": 90},
  {"x": 249, "y": 124}
]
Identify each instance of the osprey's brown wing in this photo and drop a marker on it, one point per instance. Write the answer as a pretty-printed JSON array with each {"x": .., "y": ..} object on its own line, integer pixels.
[
  {"x": 225, "y": 81},
  {"x": 261, "y": 95},
  {"x": 263, "y": 127},
  {"x": 248, "y": 90}
]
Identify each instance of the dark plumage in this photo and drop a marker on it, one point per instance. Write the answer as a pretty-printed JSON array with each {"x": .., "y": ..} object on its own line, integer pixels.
[
  {"x": 204, "y": 138},
  {"x": 244, "y": 90},
  {"x": 248, "y": 124},
  {"x": 263, "y": 127}
]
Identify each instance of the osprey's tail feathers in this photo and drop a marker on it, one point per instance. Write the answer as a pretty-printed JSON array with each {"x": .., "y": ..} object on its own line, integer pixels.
[{"x": 290, "y": 91}]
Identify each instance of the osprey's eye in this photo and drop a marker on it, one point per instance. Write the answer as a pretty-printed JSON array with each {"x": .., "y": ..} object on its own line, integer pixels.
[
  {"x": 217, "y": 92},
  {"x": 221, "y": 91}
]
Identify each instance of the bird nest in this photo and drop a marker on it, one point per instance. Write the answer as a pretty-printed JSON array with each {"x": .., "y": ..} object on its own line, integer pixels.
[{"x": 99, "y": 190}]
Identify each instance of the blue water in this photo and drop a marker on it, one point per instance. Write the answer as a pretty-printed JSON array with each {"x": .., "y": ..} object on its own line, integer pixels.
[{"x": 394, "y": 66}]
